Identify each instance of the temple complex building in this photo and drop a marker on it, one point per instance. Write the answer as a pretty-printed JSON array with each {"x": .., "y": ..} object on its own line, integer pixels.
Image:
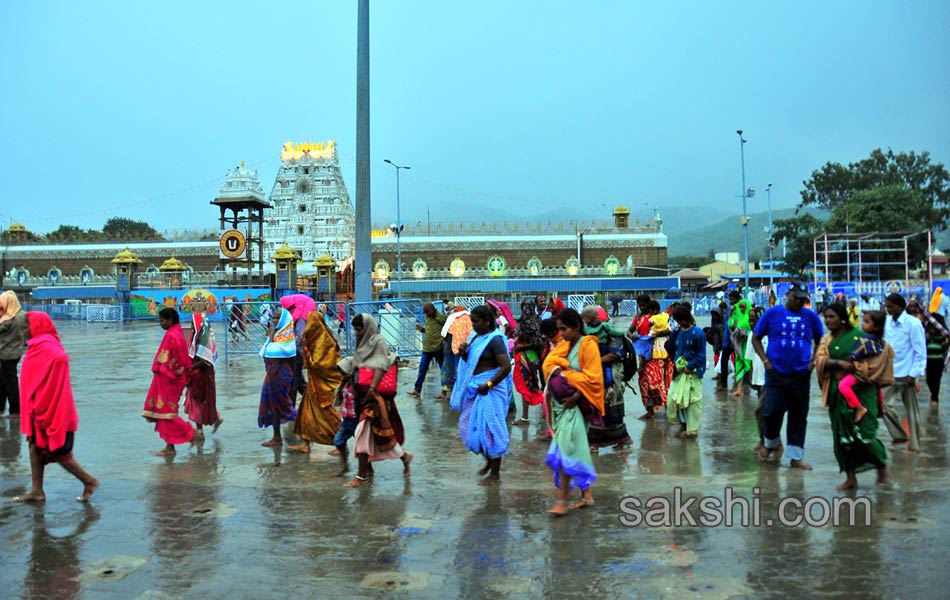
[
  {"x": 483, "y": 251},
  {"x": 311, "y": 209}
]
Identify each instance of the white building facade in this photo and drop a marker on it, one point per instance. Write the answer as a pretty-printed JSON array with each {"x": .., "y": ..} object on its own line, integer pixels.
[{"x": 311, "y": 211}]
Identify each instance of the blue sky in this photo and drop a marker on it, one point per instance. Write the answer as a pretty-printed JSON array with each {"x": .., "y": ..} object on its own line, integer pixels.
[{"x": 503, "y": 109}]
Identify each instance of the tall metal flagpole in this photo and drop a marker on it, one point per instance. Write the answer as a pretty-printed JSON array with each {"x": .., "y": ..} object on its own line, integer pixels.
[
  {"x": 771, "y": 242},
  {"x": 745, "y": 214},
  {"x": 363, "y": 268},
  {"x": 399, "y": 225}
]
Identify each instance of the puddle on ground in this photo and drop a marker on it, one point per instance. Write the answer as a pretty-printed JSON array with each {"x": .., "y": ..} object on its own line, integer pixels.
[
  {"x": 157, "y": 595},
  {"x": 219, "y": 510},
  {"x": 394, "y": 580},
  {"x": 509, "y": 585},
  {"x": 902, "y": 522},
  {"x": 409, "y": 525},
  {"x": 112, "y": 569},
  {"x": 707, "y": 588},
  {"x": 671, "y": 556}
]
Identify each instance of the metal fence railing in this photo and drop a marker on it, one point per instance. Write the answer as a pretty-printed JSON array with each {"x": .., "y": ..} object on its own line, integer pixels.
[
  {"x": 397, "y": 321},
  {"x": 469, "y": 302},
  {"x": 579, "y": 301}
]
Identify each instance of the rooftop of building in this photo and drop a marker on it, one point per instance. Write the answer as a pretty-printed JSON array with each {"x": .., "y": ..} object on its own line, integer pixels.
[{"x": 526, "y": 228}]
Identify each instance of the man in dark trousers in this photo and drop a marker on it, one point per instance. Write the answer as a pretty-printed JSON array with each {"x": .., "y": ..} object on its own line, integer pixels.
[
  {"x": 793, "y": 332},
  {"x": 431, "y": 344}
]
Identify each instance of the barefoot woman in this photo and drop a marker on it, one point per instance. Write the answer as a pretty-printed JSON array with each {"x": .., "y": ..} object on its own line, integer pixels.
[
  {"x": 856, "y": 445},
  {"x": 279, "y": 352},
  {"x": 317, "y": 421},
  {"x": 379, "y": 434},
  {"x": 170, "y": 374},
  {"x": 576, "y": 384},
  {"x": 201, "y": 399},
  {"x": 49, "y": 418},
  {"x": 481, "y": 393}
]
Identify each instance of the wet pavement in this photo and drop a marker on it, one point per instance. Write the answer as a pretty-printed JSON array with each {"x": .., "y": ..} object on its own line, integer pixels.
[{"x": 230, "y": 518}]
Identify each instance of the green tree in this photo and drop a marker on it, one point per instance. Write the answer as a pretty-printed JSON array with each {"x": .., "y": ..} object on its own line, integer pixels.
[
  {"x": 799, "y": 232},
  {"x": 118, "y": 228},
  {"x": 67, "y": 233},
  {"x": 834, "y": 187},
  {"x": 891, "y": 208}
]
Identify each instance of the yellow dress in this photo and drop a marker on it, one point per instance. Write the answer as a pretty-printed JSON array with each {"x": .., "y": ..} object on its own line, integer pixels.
[{"x": 317, "y": 421}]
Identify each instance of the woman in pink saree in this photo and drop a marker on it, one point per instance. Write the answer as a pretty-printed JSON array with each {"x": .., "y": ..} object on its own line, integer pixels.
[{"x": 170, "y": 375}]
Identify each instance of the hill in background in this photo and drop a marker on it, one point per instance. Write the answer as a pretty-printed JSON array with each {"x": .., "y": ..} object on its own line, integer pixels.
[{"x": 726, "y": 235}]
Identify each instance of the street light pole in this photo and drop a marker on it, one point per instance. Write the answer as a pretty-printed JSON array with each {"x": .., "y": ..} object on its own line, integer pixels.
[
  {"x": 398, "y": 225},
  {"x": 745, "y": 216},
  {"x": 771, "y": 240}
]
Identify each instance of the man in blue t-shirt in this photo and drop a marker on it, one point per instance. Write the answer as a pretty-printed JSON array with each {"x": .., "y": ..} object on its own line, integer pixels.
[{"x": 793, "y": 331}]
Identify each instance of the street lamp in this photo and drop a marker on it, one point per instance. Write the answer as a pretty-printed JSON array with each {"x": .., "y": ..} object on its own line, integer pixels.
[
  {"x": 745, "y": 216},
  {"x": 768, "y": 189},
  {"x": 398, "y": 226}
]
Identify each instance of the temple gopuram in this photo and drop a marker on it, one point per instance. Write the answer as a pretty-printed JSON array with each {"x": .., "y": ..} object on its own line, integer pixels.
[{"x": 311, "y": 209}]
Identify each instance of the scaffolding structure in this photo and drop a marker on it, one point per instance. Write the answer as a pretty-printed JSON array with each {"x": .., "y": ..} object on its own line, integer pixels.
[{"x": 858, "y": 257}]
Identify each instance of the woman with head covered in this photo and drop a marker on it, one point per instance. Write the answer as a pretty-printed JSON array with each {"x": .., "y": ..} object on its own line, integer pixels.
[
  {"x": 12, "y": 336},
  {"x": 378, "y": 433},
  {"x": 49, "y": 411},
  {"x": 170, "y": 370}
]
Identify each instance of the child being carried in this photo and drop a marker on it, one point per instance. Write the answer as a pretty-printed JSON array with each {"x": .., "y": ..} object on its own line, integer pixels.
[
  {"x": 659, "y": 331},
  {"x": 603, "y": 331},
  {"x": 873, "y": 362}
]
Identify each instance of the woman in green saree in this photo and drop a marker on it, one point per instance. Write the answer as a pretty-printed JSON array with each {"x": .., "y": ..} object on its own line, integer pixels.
[
  {"x": 856, "y": 445},
  {"x": 741, "y": 329}
]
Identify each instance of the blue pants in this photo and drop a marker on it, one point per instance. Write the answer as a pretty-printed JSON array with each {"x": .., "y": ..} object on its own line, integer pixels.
[
  {"x": 786, "y": 393},
  {"x": 449, "y": 365},
  {"x": 424, "y": 362},
  {"x": 346, "y": 431}
]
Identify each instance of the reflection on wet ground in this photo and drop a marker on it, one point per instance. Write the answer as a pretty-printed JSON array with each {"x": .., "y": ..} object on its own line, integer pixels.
[{"x": 230, "y": 518}]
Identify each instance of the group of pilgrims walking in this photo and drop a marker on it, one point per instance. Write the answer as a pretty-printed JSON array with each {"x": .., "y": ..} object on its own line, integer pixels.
[{"x": 574, "y": 365}]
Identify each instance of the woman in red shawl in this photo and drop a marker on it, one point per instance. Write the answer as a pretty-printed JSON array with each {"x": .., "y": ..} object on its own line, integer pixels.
[
  {"x": 49, "y": 418},
  {"x": 171, "y": 368}
]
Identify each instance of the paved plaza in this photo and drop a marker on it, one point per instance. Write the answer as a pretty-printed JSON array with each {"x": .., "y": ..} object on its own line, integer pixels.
[{"x": 231, "y": 519}]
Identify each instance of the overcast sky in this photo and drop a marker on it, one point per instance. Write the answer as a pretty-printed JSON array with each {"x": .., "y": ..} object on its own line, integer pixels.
[{"x": 501, "y": 108}]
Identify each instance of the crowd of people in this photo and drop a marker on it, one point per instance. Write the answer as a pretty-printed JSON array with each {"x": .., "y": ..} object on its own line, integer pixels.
[{"x": 574, "y": 364}]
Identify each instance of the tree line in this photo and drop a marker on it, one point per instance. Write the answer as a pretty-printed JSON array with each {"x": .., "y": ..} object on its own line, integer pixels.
[
  {"x": 886, "y": 192},
  {"x": 115, "y": 229}
]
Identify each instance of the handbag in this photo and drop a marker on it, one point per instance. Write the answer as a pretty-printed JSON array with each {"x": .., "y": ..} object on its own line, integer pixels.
[{"x": 386, "y": 387}]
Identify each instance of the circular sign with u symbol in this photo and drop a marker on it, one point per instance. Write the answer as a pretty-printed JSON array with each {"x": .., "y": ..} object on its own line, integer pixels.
[{"x": 232, "y": 244}]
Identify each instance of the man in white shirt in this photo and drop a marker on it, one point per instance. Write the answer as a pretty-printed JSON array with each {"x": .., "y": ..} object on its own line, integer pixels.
[{"x": 906, "y": 335}]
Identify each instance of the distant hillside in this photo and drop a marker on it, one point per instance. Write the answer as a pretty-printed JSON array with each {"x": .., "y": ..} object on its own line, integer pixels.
[{"x": 725, "y": 235}]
